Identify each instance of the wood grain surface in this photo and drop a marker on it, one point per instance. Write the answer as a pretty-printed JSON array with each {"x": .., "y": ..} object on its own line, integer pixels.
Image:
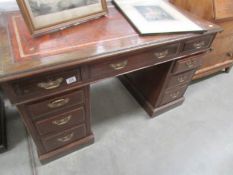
[{"x": 93, "y": 40}]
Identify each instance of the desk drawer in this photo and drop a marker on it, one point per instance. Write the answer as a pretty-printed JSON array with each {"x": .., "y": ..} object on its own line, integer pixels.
[
  {"x": 58, "y": 102},
  {"x": 198, "y": 43},
  {"x": 61, "y": 122},
  {"x": 127, "y": 63},
  {"x": 45, "y": 84},
  {"x": 187, "y": 64},
  {"x": 174, "y": 94},
  {"x": 61, "y": 139},
  {"x": 181, "y": 78}
]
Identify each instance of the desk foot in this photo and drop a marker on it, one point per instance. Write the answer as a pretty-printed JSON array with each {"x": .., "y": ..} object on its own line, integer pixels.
[
  {"x": 50, "y": 156},
  {"x": 159, "y": 110}
]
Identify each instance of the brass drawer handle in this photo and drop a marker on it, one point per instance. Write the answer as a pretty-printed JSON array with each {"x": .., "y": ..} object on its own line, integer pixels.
[
  {"x": 162, "y": 54},
  {"x": 189, "y": 64},
  {"x": 66, "y": 138},
  {"x": 50, "y": 84},
  {"x": 62, "y": 121},
  {"x": 174, "y": 95},
  {"x": 181, "y": 79},
  {"x": 58, "y": 103},
  {"x": 199, "y": 44},
  {"x": 119, "y": 66}
]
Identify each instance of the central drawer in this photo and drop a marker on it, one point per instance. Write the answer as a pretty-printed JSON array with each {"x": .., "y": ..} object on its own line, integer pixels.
[
  {"x": 59, "y": 102},
  {"x": 127, "y": 63}
]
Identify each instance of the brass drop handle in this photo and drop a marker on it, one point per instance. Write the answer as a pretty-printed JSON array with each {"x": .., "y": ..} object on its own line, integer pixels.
[
  {"x": 182, "y": 79},
  {"x": 66, "y": 138},
  {"x": 199, "y": 44},
  {"x": 58, "y": 103},
  {"x": 62, "y": 121},
  {"x": 174, "y": 95},
  {"x": 189, "y": 64},
  {"x": 119, "y": 66},
  {"x": 162, "y": 54},
  {"x": 50, "y": 84}
]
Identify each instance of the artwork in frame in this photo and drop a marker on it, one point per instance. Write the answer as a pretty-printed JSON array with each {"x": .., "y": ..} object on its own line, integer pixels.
[
  {"x": 156, "y": 17},
  {"x": 45, "y": 16}
]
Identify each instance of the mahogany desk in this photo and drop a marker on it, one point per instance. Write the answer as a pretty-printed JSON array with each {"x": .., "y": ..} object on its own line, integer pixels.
[{"x": 48, "y": 78}]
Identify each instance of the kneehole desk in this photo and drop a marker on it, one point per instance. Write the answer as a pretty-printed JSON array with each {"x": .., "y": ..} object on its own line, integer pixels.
[{"x": 48, "y": 78}]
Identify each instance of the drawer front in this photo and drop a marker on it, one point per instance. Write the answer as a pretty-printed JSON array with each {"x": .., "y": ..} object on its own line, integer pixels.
[
  {"x": 55, "y": 141},
  {"x": 165, "y": 52},
  {"x": 55, "y": 103},
  {"x": 130, "y": 62},
  {"x": 61, "y": 122},
  {"x": 198, "y": 43},
  {"x": 46, "y": 84},
  {"x": 187, "y": 64},
  {"x": 172, "y": 95},
  {"x": 179, "y": 79}
]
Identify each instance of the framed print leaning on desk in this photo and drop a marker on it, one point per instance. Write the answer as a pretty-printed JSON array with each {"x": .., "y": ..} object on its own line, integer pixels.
[
  {"x": 155, "y": 17},
  {"x": 43, "y": 16}
]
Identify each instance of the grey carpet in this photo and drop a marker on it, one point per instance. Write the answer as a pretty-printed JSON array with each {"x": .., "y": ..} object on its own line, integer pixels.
[
  {"x": 17, "y": 160},
  {"x": 193, "y": 139}
]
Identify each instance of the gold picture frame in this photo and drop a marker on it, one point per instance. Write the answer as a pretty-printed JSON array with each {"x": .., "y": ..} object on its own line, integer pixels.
[{"x": 46, "y": 16}]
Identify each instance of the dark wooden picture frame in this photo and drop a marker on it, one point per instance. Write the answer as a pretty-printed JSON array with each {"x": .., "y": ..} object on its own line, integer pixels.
[{"x": 38, "y": 31}]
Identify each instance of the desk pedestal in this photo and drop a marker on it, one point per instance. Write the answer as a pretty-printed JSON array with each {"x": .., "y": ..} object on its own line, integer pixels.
[{"x": 160, "y": 88}]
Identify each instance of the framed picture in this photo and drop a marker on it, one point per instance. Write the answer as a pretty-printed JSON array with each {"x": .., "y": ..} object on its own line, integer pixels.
[
  {"x": 156, "y": 17},
  {"x": 44, "y": 16}
]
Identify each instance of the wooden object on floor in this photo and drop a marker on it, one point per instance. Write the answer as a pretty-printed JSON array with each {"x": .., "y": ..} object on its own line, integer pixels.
[
  {"x": 3, "y": 137},
  {"x": 221, "y": 13},
  {"x": 48, "y": 78}
]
